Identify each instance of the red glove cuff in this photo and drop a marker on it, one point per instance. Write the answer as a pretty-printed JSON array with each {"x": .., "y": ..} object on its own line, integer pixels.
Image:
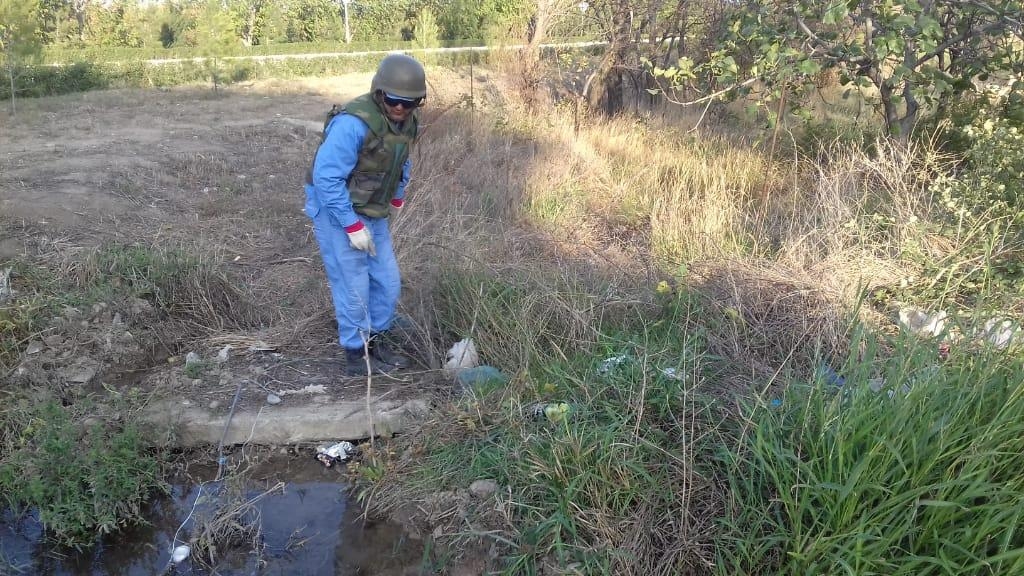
[
  {"x": 355, "y": 227},
  {"x": 397, "y": 202}
]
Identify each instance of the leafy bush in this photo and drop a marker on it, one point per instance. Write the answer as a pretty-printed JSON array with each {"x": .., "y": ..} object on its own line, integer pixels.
[
  {"x": 85, "y": 480},
  {"x": 984, "y": 211},
  {"x": 992, "y": 183}
]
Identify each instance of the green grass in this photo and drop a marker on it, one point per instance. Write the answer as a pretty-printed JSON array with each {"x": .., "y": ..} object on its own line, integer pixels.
[
  {"x": 88, "y": 472},
  {"x": 183, "y": 284},
  {"x": 28, "y": 311},
  {"x": 85, "y": 479},
  {"x": 606, "y": 487},
  {"x": 857, "y": 482}
]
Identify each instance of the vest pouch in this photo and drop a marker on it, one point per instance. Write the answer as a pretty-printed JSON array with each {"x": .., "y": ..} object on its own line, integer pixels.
[{"x": 362, "y": 186}]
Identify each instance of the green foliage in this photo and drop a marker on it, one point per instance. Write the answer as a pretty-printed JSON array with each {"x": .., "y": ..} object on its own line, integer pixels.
[
  {"x": 315, "y": 20},
  {"x": 392, "y": 20},
  {"x": 78, "y": 77},
  {"x": 620, "y": 461},
  {"x": 121, "y": 23},
  {"x": 26, "y": 312},
  {"x": 425, "y": 32},
  {"x": 480, "y": 18},
  {"x": 214, "y": 35},
  {"x": 921, "y": 477},
  {"x": 909, "y": 57},
  {"x": 19, "y": 43},
  {"x": 85, "y": 479},
  {"x": 983, "y": 206}
]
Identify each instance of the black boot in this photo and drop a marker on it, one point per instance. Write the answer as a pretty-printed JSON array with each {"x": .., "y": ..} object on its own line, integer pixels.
[
  {"x": 381, "y": 350},
  {"x": 355, "y": 363}
]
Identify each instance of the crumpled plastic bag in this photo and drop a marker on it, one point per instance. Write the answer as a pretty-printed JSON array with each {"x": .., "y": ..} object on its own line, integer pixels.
[
  {"x": 335, "y": 453},
  {"x": 461, "y": 355}
]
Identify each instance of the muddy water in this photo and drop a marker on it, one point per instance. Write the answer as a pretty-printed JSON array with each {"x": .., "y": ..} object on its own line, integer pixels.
[{"x": 310, "y": 527}]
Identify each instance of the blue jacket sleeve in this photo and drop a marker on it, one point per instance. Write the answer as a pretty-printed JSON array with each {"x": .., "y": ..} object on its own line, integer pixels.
[
  {"x": 335, "y": 161},
  {"x": 406, "y": 170}
]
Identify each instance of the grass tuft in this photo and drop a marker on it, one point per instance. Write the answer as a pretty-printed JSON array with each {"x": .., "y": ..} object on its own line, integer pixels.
[{"x": 920, "y": 477}]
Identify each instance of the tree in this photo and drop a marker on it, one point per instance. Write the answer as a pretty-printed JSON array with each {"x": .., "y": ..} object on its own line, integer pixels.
[
  {"x": 348, "y": 29},
  {"x": 635, "y": 31},
  {"x": 215, "y": 36},
  {"x": 313, "y": 20},
  {"x": 250, "y": 16},
  {"x": 425, "y": 31},
  {"x": 119, "y": 23},
  {"x": 916, "y": 55},
  {"x": 19, "y": 42}
]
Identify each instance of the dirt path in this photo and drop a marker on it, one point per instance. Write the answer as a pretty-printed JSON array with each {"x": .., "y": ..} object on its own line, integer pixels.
[{"x": 211, "y": 174}]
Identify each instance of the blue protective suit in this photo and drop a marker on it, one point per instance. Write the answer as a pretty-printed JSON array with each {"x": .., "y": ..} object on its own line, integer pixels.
[{"x": 365, "y": 288}]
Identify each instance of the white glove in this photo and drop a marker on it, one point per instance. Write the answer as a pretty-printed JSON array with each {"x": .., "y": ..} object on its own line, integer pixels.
[{"x": 362, "y": 240}]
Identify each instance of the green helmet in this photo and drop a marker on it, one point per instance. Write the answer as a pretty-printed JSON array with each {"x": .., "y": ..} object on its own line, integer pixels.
[{"x": 400, "y": 75}]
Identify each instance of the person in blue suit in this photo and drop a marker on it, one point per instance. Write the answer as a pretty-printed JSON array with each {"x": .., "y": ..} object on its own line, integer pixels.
[{"x": 355, "y": 186}]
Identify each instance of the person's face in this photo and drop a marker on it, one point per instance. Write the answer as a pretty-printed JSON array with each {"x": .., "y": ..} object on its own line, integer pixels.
[{"x": 398, "y": 109}]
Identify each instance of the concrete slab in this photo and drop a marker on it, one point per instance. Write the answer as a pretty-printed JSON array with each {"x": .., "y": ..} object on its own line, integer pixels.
[{"x": 285, "y": 424}]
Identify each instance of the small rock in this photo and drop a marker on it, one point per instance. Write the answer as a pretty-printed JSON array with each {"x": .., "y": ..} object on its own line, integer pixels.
[
  {"x": 82, "y": 375},
  {"x": 273, "y": 399},
  {"x": 139, "y": 305},
  {"x": 53, "y": 340},
  {"x": 483, "y": 488},
  {"x": 117, "y": 318},
  {"x": 84, "y": 323},
  {"x": 224, "y": 353},
  {"x": 34, "y": 347},
  {"x": 197, "y": 381},
  {"x": 214, "y": 405}
]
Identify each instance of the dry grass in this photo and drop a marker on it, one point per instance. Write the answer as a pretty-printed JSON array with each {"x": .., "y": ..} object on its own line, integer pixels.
[{"x": 232, "y": 523}]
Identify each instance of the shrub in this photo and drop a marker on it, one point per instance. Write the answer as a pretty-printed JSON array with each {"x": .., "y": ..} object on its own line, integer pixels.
[
  {"x": 983, "y": 206},
  {"x": 85, "y": 480}
]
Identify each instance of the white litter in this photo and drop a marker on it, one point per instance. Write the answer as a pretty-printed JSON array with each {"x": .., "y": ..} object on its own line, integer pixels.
[
  {"x": 224, "y": 353},
  {"x": 180, "y": 553},
  {"x": 1000, "y": 333},
  {"x": 5, "y": 284},
  {"x": 609, "y": 364},
  {"x": 461, "y": 355},
  {"x": 923, "y": 322},
  {"x": 307, "y": 389},
  {"x": 673, "y": 373},
  {"x": 339, "y": 452}
]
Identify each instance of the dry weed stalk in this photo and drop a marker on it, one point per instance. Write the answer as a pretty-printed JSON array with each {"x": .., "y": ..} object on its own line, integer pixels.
[{"x": 231, "y": 525}]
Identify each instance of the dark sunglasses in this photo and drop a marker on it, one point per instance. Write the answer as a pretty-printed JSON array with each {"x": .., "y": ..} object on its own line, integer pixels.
[{"x": 407, "y": 103}]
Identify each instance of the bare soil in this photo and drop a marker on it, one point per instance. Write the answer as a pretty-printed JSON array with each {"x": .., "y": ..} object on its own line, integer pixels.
[{"x": 218, "y": 174}]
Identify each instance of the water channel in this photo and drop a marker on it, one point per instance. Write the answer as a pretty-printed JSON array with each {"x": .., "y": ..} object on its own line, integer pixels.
[{"x": 307, "y": 522}]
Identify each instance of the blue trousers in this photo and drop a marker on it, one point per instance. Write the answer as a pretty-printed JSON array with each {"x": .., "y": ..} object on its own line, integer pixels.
[{"x": 365, "y": 288}]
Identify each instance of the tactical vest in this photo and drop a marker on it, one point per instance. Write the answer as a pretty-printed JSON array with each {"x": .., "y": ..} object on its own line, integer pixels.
[{"x": 374, "y": 180}]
